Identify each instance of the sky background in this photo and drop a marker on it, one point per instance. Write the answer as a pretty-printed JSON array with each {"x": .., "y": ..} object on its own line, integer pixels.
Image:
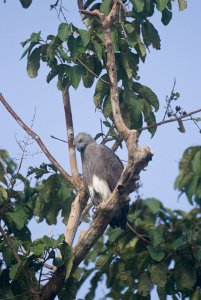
[{"x": 179, "y": 57}]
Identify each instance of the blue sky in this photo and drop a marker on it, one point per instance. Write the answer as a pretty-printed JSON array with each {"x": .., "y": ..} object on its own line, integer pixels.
[{"x": 179, "y": 57}]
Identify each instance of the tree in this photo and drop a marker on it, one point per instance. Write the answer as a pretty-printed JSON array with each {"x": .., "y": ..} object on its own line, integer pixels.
[{"x": 160, "y": 247}]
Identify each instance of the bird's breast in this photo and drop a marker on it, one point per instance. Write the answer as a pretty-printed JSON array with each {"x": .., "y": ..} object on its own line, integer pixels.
[{"x": 100, "y": 187}]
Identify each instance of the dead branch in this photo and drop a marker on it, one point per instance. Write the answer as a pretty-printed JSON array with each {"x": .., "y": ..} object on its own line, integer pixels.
[{"x": 37, "y": 139}]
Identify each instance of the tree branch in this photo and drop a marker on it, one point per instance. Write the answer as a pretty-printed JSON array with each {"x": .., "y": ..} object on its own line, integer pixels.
[
  {"x": 70, "y": 137},
  {"x": 170, "y": 120},
  {"x": 81, "y": 198},
  {"x": 138, "y": 159},
  {"x": 37, "y": 139},
  {"x": 10, "y": 244}
]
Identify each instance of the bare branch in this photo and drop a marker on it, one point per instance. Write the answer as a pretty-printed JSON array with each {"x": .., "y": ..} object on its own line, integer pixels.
[
  {"x": 70, "y": 137},
  {"x": 170, "y": 99},
  {"x": 171, "y": 120},
  {"x": 74, "y": 218},
  {"x": 81, "y": 198},
  {"x": 37, "y": 139},
  {"x": 54, "y": 137}
]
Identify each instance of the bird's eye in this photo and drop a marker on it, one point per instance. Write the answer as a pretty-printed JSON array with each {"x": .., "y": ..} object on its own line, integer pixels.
[{"x": 81, "y": 140}]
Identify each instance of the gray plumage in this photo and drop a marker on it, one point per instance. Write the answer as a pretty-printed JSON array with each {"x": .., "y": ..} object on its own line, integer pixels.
[{"x": 101, "y": 169}]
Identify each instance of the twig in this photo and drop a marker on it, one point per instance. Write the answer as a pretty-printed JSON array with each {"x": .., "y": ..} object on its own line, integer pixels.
[
  {"x": 171, "y": 120},
  {"x": 37, "y": 139},
  {"x": 10, "y": 244},
  {"x": 92, "y": 71},
  {"x": 53, "y": 137},
  {"x": 138, "y": 235},
  {"x": 23, "y": 152},
  {"x": 170, "y": 99}
]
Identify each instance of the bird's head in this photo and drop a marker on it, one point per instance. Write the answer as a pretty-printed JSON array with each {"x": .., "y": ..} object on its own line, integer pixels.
[{"x": 82, "y": 140}]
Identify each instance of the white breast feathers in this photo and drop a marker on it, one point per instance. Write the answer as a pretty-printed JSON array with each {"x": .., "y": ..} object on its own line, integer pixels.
[{"x": 99, "y": 186}]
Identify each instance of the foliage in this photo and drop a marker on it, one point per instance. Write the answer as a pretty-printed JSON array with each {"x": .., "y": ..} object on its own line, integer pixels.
[
  {"x": 23, "y": 260},
  {"x": 76, "y": 54},
  {"x": 189, "y": 179},
  {"x": 161, "y": 247},
  {"x": 165, "y": 252}
]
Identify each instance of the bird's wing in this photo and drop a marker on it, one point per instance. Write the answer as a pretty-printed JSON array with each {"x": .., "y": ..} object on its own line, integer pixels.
[{"x": 101, "y": 161}]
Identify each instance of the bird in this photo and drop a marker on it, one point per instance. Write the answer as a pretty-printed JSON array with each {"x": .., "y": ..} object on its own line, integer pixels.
[{"x": 101, "y": 170}]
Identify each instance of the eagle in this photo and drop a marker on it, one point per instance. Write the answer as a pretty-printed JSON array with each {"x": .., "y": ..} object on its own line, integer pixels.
[{"x": 101, "y": 169}]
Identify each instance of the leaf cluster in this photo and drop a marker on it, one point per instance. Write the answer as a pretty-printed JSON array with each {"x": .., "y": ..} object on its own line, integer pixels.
[
  {"x": 76, "y": 54},
  {"x": 22, "y": 260},
  {"x": 188, "y": 181},
  {"x": 162, "y": 251}
]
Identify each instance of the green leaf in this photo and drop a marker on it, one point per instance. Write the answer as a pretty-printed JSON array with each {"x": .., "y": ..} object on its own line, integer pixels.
[
  {"x": 101, "y": 91},
  {"x": 106, "y": 6},
  {"x": 156, "y": 253},
  {"x": 146, "y": 93},
  {"x": 159, "y": 274},
  {"x": 141, "y": 50},
  {"x": 166, "y": 16},
  {"x": 150, "y": 35},
  {"x": 98, "y": 49},
  {"x": 196, "y": 163},
  {"x": 156, "y": 236},
  {"x": 177, "y": 243},
  {"x": 129, "y": 28},
  {"x": 3, "y": 195},
  {"x": 64, "y": 31},
  {"x": 104, "y": 261},
  {"x": 153, "y": 204},
  {"x": 107, "y": 107},
  {"x": 185, "y": 273},
  {"x": 75, "y": 45},
  {"x": 16, "y": 270},
  {"x": 144, "y": 285},
  {"x": 74, "y": 73},
  {"x": 181, "y": 127},
  {"x": 125, "y": 63},
  {"x": 182, "y": 4},
  {"x": 38, "y": 248},
  {"x": 35, "y": 37},
  {"x": 25, "y": 3},
  {"x": 59, "y": 69},
  {"x": 18, "y": 216},
  {"x": 161, "y": 4},
  {"x": 138, "y": 5},
  {"x": 33, "y": 63},
  {"x": 85, "y": 37},
  {"x": 67, "y": 256}
]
